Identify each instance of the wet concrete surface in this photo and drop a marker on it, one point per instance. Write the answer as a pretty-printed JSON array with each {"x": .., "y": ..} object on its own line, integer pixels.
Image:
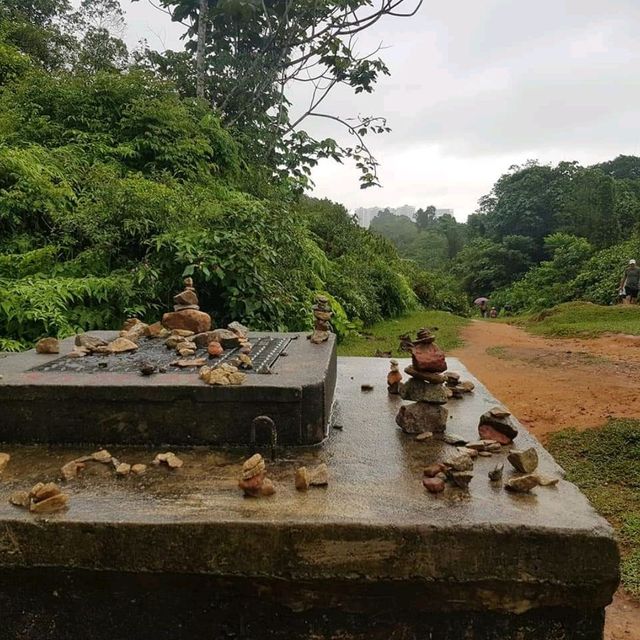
[{"x": 486, "y": 549}]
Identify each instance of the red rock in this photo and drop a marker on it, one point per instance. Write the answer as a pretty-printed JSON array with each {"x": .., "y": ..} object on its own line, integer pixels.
[
  {"x": 433, "y": 485},
  {"x": 189, "y": 319},
  {"x": 487, "y": 432},
  {"x": 434, "y": 469},
  {"x": 428, "y": 357},
  {"x": 215, "y": 349}
]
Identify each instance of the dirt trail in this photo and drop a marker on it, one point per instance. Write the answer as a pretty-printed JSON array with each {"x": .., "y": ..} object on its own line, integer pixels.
[{"x": 554, "y": 384}]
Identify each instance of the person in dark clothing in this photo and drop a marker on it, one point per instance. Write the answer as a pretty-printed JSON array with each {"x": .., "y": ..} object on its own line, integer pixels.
[{"x": 631, "y": 282}]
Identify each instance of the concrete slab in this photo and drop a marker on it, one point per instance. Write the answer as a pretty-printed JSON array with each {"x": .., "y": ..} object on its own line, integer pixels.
[
  {"x": 116, "y": 405},
  {"x": 372, "y": 555}
]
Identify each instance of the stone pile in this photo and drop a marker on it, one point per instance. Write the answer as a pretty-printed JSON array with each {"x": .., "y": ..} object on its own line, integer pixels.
[
  {"x": 394, "y": 378},
  {"x": 457, "y": 388},
  {"x": 43, "y": 498},
  {"x": 186, "y": 312},
  {"x": 224, "y": 375},
  {"x": 253, "y": 481},
  {"x": 425, "y": 387},
  {"x": 322, "y": 314}
]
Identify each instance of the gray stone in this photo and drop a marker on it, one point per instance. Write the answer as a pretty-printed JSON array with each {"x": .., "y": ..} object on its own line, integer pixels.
[
  {"x": 522, "y": 484},
  {"x": 460, "y": 462},
  {"x": 524, "y": 460},
  {"x": 421, "y": 391},
  {"x": 495, "y": 475},
  {"x": 422, "y": 416},
  {"x": 461, "y": 478}
]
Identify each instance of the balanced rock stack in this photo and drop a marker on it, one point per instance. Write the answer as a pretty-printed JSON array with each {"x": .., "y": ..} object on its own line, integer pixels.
[
  {"x": 253, "y": 481},
  {"x": 425, "y": 387},
  {"x": 186, "y": 313},
  {"x": 322, "y": 314}
]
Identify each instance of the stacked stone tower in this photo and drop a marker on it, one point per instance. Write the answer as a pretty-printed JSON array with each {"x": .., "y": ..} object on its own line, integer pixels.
[{"x": 425, "y": 387}]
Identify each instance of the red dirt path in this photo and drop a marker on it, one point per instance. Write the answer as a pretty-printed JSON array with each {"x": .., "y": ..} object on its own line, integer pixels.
[{"x": 554, "y": 384}]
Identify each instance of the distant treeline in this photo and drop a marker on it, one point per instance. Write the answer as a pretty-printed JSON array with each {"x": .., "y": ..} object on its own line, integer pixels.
[{"x": 543, "y": 235}]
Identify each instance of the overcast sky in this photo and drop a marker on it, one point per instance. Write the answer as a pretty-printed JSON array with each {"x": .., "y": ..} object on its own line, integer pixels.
[{"x": 475, "y": 87}]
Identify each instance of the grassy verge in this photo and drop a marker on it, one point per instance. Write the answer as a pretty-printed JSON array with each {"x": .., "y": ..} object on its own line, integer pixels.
[
  {"x": 384, "y": 336},
  {"x": 605, "y": 464},
  {"x": 583, "y": 319}
]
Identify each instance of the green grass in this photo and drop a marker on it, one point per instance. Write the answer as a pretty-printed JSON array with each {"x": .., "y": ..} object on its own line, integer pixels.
[
  {"x": 384, "y": 336},
  {"x": 605, "y": 464},
  {"x": 583, "y": 319}
]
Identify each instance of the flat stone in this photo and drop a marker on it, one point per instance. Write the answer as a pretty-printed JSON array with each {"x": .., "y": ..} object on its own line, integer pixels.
[
  {"x": 421, "y": 391},
  {"x": 451, "y": 378},
  {"x": 189, "y": 319},
  {"x": 545, "y": 480},
  {"x": 499, "y": 412},
  {"x": 52, "y": 504},
  {"x": 425, "y": 435},
  {"x": 524, "y": 460},
  {"x": 119, "y": 345},
  {"x": 186, "y": 298},
  {"x": 48, "y": 346},
  {"x": 433, "y": 378},
  {"x": 454, "y": 439},
  {"x": 472, "y": 453},
  {"x": 89, "y": 342},
  {"x": 422, "y": 416},
  {"x": 102, "y": 456},
  {"x": 522, "y": 484}
]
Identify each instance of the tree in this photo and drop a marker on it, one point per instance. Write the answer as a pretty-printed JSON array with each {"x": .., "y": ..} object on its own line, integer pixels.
[
  {"x": 425, "y": 217},
  {"x": 255, "y": 51}
]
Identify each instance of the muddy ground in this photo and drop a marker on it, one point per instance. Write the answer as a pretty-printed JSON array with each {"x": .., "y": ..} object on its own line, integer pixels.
[{"x": 552, "y": 384}]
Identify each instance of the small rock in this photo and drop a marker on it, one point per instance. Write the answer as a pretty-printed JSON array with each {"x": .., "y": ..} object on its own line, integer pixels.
[
  {"x": 50, "y": 505},
  {"x": 86, "y": 341},
  {"x": 499, "y": 412},
  {"x": 268, "y": 488},
  {"x": 461, "y": 478},
  {"x": 433, "y": 485},
  {"x": 41, "y": 491},
  {"x": 494, "y": 448},
  {"x": 135, "y": 332},
  {"x": 522, "y": 484},
  {"x": 454, "y": 439},
  {"x": 434, "y": 469},
  {"x": 472, "y": 453},
  {"x": 102, "y": 456},
  {"x": 78, "y": 352},
  {"x": 485, "y": 454},
  {"x": 425, "y": 435},
  {"x": 366, "y": 387},
  {"x": 478, "y": 445},
  {"x": 524, "y": 460},
  {"x": 460, "y": 462},
  {"x": 239, "y": 329},
  {"x": 253, "y": 466},
  {"x": 4, "y": 461},
  {"x": 496, "y": 473},
  {"x": 71, "y": 470},
  {"x": 302, "y": 479},
  {"x": 119, "y": 345},
  {"x": 500, "y": 424},
  {"x": 185, "y": 352},
  {"x": 155, "y": 330},
  {"x": 547, "y": 481},
  {"x": 20, "y": 499},
  {"x": 169, "y": 458},
  {"x": 228, "y": 339},
  {"x": 452, "y": 378},
  {"x": 319, "y": 477},
  {"x": 215, "y": 349},
  {"x": 185, "y": 363},
  {"x": 48, "y": 346},
  {"x": 467, "y": 386},
  {"x": 147, "y": 368},
  {"x": 123, "y": 469},
  {"x": 138, "y": 469}
]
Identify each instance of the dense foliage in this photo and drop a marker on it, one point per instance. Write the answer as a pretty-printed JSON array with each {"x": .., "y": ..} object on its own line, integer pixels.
[{"x": 544, "y": 235}]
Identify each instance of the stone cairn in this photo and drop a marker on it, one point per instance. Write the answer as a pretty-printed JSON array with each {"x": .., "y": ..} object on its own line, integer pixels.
[
  {"x": 394, "y": 378},
  {"x": 425, "y": 387},
  {"x": 322, "y": 314},
  {"x": 186, "y": 312}
]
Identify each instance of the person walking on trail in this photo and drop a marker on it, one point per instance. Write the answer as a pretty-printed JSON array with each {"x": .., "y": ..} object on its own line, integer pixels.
[{"x": 631, "y": 282}]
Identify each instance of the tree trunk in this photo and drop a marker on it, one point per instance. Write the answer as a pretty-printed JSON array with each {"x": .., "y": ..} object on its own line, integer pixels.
[{"x": 202, "y": 37}]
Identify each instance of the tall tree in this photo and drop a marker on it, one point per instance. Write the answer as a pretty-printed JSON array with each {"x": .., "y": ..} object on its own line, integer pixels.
[{"x": 256, "y": 51}]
